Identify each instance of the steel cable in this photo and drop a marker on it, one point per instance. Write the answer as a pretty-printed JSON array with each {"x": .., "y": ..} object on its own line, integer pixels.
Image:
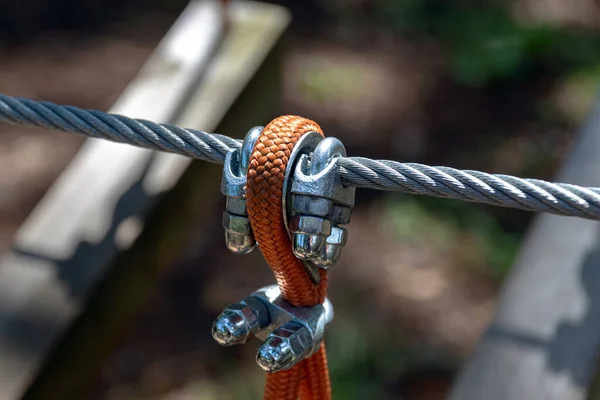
[{"x": 474, "y": 186}]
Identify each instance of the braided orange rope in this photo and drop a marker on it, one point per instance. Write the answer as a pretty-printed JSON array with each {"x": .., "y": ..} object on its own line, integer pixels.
[{"x": 266, "y": 172}]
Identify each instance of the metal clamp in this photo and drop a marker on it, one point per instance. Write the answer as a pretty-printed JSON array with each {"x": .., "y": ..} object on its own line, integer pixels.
[
  {"x": 315, "y": 203},
  {"x": 290, "y": 334},
  {"x": 319, "y": 204},
  {"x": 238, "y": 233}
]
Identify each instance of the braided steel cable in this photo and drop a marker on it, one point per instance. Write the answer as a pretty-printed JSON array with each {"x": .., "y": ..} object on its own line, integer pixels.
[
  {"x": 474, "y": 186},
  {"x": 117, "y": 128}
]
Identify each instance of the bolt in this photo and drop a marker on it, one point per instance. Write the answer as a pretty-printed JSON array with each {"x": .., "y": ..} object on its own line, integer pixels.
[
  {"x": 274, "y": 355},
  {"x": 285, "y": 347},
  {"x": 340, "y": 214},
  {"x": 307, "y": 247},
  {"x": 309, "y": 235},
  {"x": 230, "y": 328},
  {"x": 236, "y": 205},
  {"x": 238, "y": 233},
  {"x": 240, "y": 322},
  {"x": 239, "y": 243},
  {"x": 311, "y": 205},
  {"x": 333, "y": 247}
]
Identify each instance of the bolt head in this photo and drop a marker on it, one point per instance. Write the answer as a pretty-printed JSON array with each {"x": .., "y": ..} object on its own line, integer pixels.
[
  {"x": 285, "y": 347},
  {"x": 236, "y": 205},
  {"x": 338, "y": 236},
  {"x": 309, "y": 205},
  {"x": 309, "y": 234},
  {"x": 236, "y": 325},
  {"x": 229, "y": 329},
  {"x": 236, "y": 223},
  {"x": 329, "y": 256},
  {"x": 239, "y": 243},
  {"x": 332, "y": 249},
  {"x": 238, "y": 233},
  {"x": 274, "y": 355},
  {"x": 341, "y": 214},
  {"x": 307, "y": 247},
  {"x": 310, "y": 225}
]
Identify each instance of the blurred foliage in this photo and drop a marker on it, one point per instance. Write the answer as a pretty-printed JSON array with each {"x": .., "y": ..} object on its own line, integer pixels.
[
  {"x": 575, "y": 95},
  {"x": 373, "y": 369},
  {"x": 352, "y": 371},
  {"x": 25, "y": 20},
  {"x": 485, "y": 43},
  {"x": 322, "y": 81},
  {"x": 448, "y": 225}
]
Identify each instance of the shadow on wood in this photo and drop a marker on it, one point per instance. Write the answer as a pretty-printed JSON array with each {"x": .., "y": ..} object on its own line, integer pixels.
[
  {"x": 77, "y": 271},
  {"x": 75, "y": 362},
  {"x": 543, "y": 342},
  {"x": 578, "y": 366}
]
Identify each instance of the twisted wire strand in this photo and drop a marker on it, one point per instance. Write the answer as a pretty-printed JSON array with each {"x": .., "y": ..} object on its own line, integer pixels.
[
  {"x": 117, "y": 128},
  {"x": 474, "y": 186}
]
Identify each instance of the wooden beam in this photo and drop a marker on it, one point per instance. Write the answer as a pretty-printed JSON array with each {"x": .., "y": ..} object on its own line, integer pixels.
[
  {"x": 545, "y": 337},
  {"x": 78, "y": 248}
]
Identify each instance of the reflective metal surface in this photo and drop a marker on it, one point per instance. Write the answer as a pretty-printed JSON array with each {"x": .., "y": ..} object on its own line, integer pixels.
[
  {"x": 332, "y": 249},
  {"x": 285, "y": 347},
  {"x": 327, "y": 150},
  {"x": 275, "y": 354},
  {"x": 239, "y": 322},
  {"x": 305, "y": 145},
  {"x": 238, "y": 233},
  {"x": 290, "y": 333},
  {"x": 317, "y": 196},
  {"x": 247, "y": 147}
]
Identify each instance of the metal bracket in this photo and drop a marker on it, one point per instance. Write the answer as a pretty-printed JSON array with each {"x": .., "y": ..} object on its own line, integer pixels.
[
  {"x": 303, "y": 147},
  {"x": 238, "y": 233},
  {"x": 290, "y": 333},
  {"x": 320, "y": 203}
]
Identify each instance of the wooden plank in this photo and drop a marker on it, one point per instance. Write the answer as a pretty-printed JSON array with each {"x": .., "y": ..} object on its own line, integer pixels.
[
  {"x": 544, "y": 340},
  {"x": 246, "y": 66},
  {"x": 70, "y": 238}
]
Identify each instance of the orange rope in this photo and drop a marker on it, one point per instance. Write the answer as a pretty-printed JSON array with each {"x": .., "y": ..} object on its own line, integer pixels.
[
  {"x": 266, "y": 172},
  {"x": 315, "y": 384}
]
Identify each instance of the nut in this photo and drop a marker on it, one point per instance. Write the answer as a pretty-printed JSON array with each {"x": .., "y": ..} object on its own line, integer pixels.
[
  {"x": 340, "y": 214},
  {"x": 338, "y": 236},
  {"x": 239, "y": 243},
  {"x": 274, "y": 355},
  {"x": 238, "y": 233},
  {"x": 310, "y": 225},
  {"x": 259, "y": 309},
  {"x": 236, "y": 205},
  {"x": 315, "y": 206},
  {"x": 236, "y": 224},
  {"x": 285, "y": 347},
  {"x": 234, "y": 326},
  {"x": 309, "y": 235},
  {"x": 332, "y": 249},
  {"x": 307, "y": 247},
  {"x": 239, "y": 322}
]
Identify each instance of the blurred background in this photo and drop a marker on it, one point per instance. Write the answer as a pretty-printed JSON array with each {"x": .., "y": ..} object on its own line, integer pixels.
[{"x": 500, "y": 86}]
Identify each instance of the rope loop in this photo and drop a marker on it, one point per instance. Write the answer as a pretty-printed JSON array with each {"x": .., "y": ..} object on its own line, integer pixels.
[{"x": 264, "y": 192}]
